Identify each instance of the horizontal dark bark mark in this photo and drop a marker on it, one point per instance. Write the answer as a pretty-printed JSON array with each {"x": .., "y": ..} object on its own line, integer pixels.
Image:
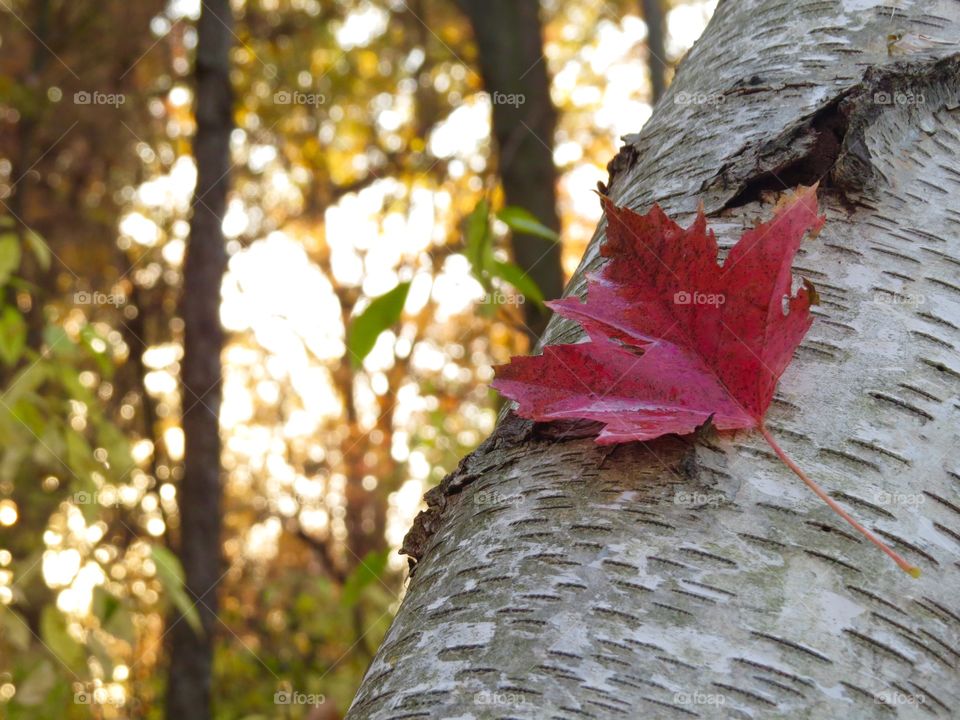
[
  {"x": 793, "y": 646},
  {"x": 878, "y": 646}
]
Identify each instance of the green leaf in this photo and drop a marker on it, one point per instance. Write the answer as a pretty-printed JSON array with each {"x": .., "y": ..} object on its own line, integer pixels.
[
  {"x": 13, "y": 335},
  {"x": 39, "y": 248},
  {"x": 91, "y": 340},
  {"x": 370, "y": 569},
  {"x": 104, "y": 604},
  {"x": 525, "y": 285},
  {"x": 27, "y": 414},
  {"x": 16, "y": 632},
  {"x": 33, "y": 691},
  {"x": 26, "y": 382},
  {"x": 53, "y": 631},
  {"x": 121, "y": 625},
  {"x": 170, "y": 574},
  {"x": 380, "y": 315},
  {"x": 58, "y": 341},
  {"x": 98, "y": 650},
  {"x": 9, "y": 255},
  {"x": 523, "y": 221},
  {"x": 477, "y": 233},
  {"x": 78, "y": 452}
]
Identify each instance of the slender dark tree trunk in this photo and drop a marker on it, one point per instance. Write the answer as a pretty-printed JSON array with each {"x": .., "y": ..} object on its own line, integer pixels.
[
  {"x": 655, "y": 19},
  {"x": 191, "y": 657},
  {"x": 510, "y": 43}
]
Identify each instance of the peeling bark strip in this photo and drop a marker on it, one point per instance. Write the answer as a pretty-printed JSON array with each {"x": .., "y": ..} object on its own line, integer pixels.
[
  {"x": 696, "y": 578},
  {"x": 902, "y": 88}
]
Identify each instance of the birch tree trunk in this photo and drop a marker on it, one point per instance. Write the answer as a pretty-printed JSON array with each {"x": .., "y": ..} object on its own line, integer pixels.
[{"x": 698, "y": 577}]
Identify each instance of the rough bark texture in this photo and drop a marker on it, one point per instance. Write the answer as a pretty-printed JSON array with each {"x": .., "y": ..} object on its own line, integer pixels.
[
  {"x": 509, "y": 41},
  {"x": 697, "y": 577},
  {"x": 191, "y": 656}
]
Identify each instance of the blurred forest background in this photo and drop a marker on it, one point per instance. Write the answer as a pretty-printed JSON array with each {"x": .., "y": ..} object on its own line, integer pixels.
[{"x": 407, "y": 179}]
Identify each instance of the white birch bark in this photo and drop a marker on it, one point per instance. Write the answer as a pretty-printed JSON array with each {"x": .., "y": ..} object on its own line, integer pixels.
[{"x": 699, "y": 578}]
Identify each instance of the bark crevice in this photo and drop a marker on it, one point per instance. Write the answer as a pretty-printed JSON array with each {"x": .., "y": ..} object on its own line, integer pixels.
[{"x": 828, "y": 146}]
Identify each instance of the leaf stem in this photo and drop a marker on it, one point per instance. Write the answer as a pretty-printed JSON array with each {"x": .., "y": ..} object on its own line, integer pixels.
[{"x": 901, "y": 563}]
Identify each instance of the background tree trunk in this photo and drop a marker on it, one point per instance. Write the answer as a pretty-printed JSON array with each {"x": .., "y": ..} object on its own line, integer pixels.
[
  {"x": 699, "y": 578},
  {"x": 191, "y": 657},
  {"x": 655, "y": 18},
  {"x": 509, "y": 39}
]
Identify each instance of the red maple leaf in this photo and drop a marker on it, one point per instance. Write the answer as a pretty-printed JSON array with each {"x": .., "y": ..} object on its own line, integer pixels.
[{"x": 675, "y": 339}]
